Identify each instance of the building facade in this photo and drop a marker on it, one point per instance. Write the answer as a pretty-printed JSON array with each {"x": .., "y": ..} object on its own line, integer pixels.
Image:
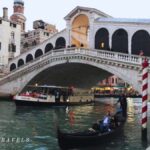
[
  {"x": 112, "y": 81},
  {"x": 10, "y": 35},
  {"x": 42, "y": 31},
  {"x": 92, "y": 29}
]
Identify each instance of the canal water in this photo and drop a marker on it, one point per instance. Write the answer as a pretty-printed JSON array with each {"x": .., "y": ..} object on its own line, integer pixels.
[{"x": 35, "y": 128}]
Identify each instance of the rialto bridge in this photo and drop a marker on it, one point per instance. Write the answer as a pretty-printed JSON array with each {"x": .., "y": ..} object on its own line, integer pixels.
[{"x": 92, "y": 43}]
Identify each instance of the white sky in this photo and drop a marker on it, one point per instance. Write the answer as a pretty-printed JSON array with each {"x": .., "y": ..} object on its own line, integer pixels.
[{"x": 53, "y": 11}]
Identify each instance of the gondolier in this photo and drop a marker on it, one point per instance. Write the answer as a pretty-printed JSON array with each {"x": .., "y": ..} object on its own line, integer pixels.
[{"x": 123, "y": 104}]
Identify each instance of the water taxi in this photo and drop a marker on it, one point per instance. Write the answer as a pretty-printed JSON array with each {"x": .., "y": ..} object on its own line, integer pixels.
[{"x": 46, "y": 95}]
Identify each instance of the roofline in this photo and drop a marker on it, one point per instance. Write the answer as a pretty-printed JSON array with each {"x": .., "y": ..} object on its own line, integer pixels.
[
  {"x": 88, "y": 9},
  {"x": 127, "y": 22}
]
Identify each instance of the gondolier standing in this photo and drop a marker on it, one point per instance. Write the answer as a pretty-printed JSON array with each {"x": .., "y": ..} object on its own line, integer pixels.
[{"x": 123, "y": 104}]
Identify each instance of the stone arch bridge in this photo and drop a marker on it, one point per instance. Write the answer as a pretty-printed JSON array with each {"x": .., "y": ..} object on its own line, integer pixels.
[{"x": 125, "y": 66}]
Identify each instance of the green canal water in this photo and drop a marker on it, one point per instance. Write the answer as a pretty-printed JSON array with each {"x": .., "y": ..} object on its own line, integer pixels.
[{"x": 34, "y": 128}]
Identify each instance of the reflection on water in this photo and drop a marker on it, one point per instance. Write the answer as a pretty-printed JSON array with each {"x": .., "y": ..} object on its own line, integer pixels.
[{"x": 35, "y": 129}]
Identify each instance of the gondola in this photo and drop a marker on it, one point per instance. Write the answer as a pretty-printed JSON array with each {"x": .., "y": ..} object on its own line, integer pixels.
[{"x": 88, "y": 137}]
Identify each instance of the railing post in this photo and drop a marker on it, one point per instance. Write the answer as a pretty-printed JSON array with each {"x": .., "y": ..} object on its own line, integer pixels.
[
  {"x": 65, "y": 51},
  {"x": 52, "y": 53}
]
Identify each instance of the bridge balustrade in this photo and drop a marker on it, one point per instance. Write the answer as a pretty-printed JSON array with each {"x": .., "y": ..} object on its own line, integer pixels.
[{"x": 99, "y": 54}]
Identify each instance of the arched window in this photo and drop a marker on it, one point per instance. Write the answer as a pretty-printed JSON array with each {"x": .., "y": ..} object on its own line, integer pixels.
[
  {"x": 102, "y": 39},
  {"x": 120, "y": 41},
  {"x": 29, "y": 58},
  {"x": 12, "y": 66},
  {"x": 38, "y": 53},
  {"x": 20, "y": 62},
  {"x": 48, "y": 47},
  {"x": 60, "y": 43},
  {"x": 141, "y": 41}
]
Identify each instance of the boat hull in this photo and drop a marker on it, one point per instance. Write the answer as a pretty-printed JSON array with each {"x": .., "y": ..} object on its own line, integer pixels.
[
  {"x": 69, "y": 141},
  {"x": 49, "y": 104},
  {"x": 91, "y": 137}
]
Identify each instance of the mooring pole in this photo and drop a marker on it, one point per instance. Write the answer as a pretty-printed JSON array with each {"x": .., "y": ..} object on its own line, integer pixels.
[{"x": 144, "y": 98}]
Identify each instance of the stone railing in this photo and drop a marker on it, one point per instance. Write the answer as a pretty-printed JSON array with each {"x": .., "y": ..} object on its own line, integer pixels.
[{"x": 99, "y": 54}]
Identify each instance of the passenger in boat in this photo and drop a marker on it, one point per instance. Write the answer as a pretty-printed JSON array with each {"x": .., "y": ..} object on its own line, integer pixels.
[
  {"x": 105, "y": 124},
  {"x": 123, "y": 104},
  {"x": 57, "y": 95}
]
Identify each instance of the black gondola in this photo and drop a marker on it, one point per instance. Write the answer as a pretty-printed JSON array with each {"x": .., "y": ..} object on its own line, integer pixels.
[{"x": 88, "y": 137}]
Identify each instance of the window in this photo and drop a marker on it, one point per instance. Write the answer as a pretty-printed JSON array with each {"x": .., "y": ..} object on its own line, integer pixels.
[
  {"x": 25, "y": 45},
  {"x": 112, "y": 81},
  {"x": 14, "y": 25},
  {"x": 12, "y": 47},
  {"x": 12, "y": 35},
  {"x": 23, "y": 26},
  {"x": 26, "y": 35},
  {"x": 34, "y": 43}
]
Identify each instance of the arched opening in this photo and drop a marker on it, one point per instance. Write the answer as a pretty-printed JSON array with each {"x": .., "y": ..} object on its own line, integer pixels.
[
  {"x": 60, "y": 43},
  {"x": 20, "y": 62},
  {"x": 80, "y": 31},
  {"x": 141, "y": 41},
  {"x": 48, "y": 47},
  {"x": 102, "y": 39},
  {"x": 12, "y": 66},
  {"x": 120, "y": 41},
  {"x": 38, "y": 53},
  {"x": 29, "y": 58}
]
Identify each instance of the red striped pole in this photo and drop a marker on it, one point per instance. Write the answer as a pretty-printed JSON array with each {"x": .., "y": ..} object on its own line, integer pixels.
[{"x": 144, "y": 98}]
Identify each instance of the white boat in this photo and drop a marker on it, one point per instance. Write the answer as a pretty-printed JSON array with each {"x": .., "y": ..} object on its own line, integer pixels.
[{"x": 51, "y": 96}]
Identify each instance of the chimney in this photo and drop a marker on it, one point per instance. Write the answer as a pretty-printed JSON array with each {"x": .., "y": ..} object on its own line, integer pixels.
[{"x": 5, "y": 13}]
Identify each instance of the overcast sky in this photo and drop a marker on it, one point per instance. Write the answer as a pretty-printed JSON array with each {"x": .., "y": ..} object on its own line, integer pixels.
[{"x": 53, "y": 11}]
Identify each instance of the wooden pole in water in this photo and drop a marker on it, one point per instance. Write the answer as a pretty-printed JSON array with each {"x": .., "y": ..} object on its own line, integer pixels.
[{"x": 144, "y": 98}]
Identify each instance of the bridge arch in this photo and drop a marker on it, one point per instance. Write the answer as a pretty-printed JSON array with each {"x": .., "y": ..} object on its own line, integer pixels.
[
  {"x": 60, "y": 43},
  {"x": 38, "y": 53},
  {"x": 20, "y": 62},
  {"x": 120, "y": 41},
  {"x": 29, "y": 58},
  {"x": 102, "y": 39},
  {"x": 13, "y": 66},
  {"x": 124, "y": 72},
  {"x": 141, "y": 41},
  {"x": 80, "y": 31},
  {"x": 48, "y": 47}
]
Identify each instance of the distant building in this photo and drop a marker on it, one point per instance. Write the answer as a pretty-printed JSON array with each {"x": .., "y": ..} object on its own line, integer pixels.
[
  {"x": 18, "y": 14},
  {"x": 10, "y": 35},
  {"x": 42, "y": 31},
  {"x": 112, "y": 81}
]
